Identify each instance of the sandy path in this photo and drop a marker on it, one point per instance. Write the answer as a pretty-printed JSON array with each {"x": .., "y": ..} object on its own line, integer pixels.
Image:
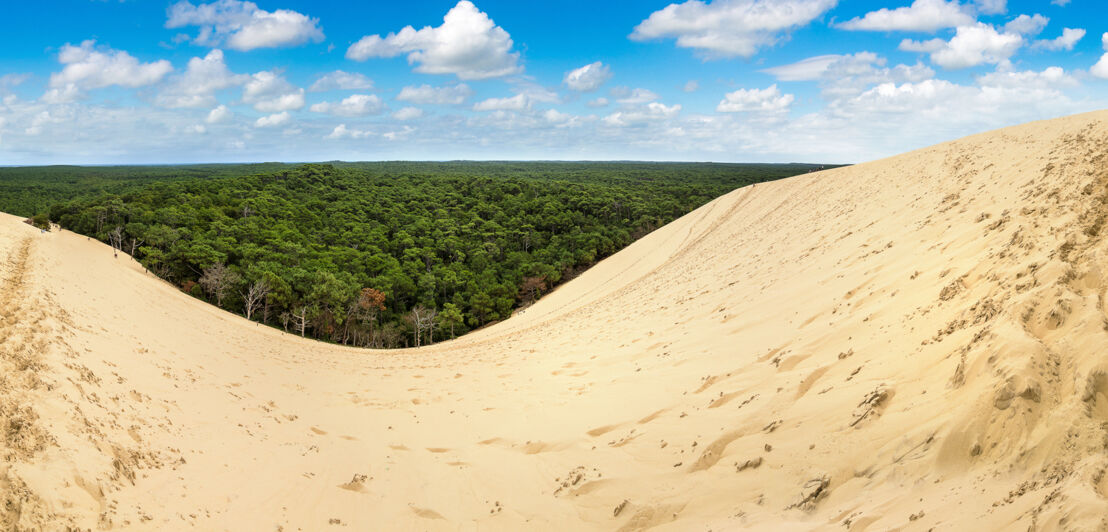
[{"x": 914, "y": 342}]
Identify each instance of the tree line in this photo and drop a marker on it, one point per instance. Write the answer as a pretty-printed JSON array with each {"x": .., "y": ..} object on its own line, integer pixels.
[{"x": 393, "y": 254}]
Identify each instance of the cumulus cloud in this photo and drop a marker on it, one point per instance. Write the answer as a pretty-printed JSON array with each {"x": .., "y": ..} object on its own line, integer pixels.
[
  {"x": 243, "y": 26},
  {"x": 923, "y": 15},
  {"x": 599, "y": 102},
  {"x": 218, "y": 115},
  {"x": 691, "y": 86},
  {"x": 849, "y": 74},
  {"x": 398, "y": 134},
  {"x": 1050, "y": 78},
  {"x": 341, "y": 131},
  {"x": 767, "y": 100},
  {"x": 992, "y": 7},
  {"x": 354, "y": 105},
  {"x": 201, "y": 80},
  {"x": 426, "y": 94},
  {"x": 514, "y": 103},
  {"x": 1100, "y": 69},
  {"x": 588, "y": 78},
  {"x": 270, "y": 93},
  {"x": 971, "y": 46},
  {"x": 468, "y": 44},
  {"x": 627, "y": 96},
  {"x": 727, "y": 28},
  {"x": 87, "y": 67},
  {"x": 407, "y": 113},
  {"x": 273, "y": 120},
  {"x": 651, "y": 112},
  {"x": 1066, "y": 41},
  {"x": 1025, "y": 25},
  {"x": 339, "y": 80}
]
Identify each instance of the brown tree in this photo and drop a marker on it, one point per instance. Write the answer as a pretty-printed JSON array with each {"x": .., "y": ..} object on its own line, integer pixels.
[
  {"x": 217, "y": 280},
  {"x": 532, "y": 288}
]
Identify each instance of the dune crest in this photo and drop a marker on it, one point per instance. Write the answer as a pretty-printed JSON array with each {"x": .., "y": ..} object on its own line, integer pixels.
[{"x": 913, "y": 342}]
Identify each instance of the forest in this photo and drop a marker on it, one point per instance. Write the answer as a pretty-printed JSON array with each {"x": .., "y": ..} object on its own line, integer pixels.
[{"x": 393, "y": 254}]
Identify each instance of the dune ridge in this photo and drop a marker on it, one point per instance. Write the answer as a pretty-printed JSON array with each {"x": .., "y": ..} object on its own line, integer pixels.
[{"x": 916, "y": 342}]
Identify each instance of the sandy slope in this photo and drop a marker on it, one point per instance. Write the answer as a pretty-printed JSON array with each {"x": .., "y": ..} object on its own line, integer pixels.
[{"x": 915, "y": 342}]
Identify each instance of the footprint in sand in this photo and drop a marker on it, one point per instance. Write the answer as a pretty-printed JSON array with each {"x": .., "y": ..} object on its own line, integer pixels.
[
  {"x": 601, "y": 430},
  {"x": 426, "y": 513}
]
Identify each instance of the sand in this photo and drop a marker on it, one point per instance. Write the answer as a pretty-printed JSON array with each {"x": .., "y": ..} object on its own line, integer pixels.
[{"x": 917, "y": 342}]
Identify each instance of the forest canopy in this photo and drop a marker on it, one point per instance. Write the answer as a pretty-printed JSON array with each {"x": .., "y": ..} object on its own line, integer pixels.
[{"x": 388, "y": 254}]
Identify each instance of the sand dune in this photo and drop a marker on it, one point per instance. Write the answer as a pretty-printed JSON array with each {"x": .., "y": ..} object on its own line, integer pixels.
[{"x": 916, "y": 342}]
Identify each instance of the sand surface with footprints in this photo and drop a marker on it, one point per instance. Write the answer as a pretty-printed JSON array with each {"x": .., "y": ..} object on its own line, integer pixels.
[{"x": 917, "y": 342}]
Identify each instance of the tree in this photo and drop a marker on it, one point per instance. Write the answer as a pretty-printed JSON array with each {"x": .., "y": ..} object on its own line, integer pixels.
[
  {"x": 254, "y": 297},
  {"x": 422, "y": 319},
  {"x": 531, "y": 289},
  {"x": 301, "y": 315},
  {"x": 451, "y": 316},
  {"x": 217, "y": 280},
  {"x": 115, "y": 238}
]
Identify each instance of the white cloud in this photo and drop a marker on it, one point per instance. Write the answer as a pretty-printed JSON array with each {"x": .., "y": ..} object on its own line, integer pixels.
[
  {"x": 1025, "y": 25},
  {"x": 341, "y": 131},
  {"x": 468, "y": 44},
  {"x": 270, "y": 93},
  {"x": 634, "y": 96},
  {"x": 339, "y": 80},
  {"x": 196, "y": 129},
  {"x": 1100, "y": 69},
  {"x": 89, "y": 68},
  {"x": 242, "y": 26},
  {"x": 599, "y": 102},
  {"x": 726, "y": 28},
  {"x": 1060, "y": 2},
  {"x": 8, "y": 81},
  {"x": 768, "y": 100},
  {"x": 218, "y": 115},
  {"x": 534, "y": 92},
  {"x": 651, "y": 112},
  {"x": 556, "y": 117},
  {"x": 398, "y": 135},
  {"x": 273, "y": 120},
  {"x": 970, "y": 46},
  {"x": 588, "y": 78},
  {"x": 65, "y": 94},
  {"x": 691, "y": 86},
  {"x": 1050, "y": 78},
  {"x": 808, "y": 69},
  {"x": 850, "y": 74},
  {"x": 41, "y": 119},
  {"x": 426, "y": 94},
  {"x": 514, "y": 103},
  {"x": 1066, "y": 41},
  {"x": 407, "y": 113},
  {"x": 992, "y": 7},
  {"x": 353, "y": 105},
  {"x": 201, "y": 80},
  {"x": 922, "y": 15}
]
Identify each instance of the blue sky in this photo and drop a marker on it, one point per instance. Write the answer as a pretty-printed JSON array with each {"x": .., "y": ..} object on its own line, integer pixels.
[{"x": 142, "y": 81}]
